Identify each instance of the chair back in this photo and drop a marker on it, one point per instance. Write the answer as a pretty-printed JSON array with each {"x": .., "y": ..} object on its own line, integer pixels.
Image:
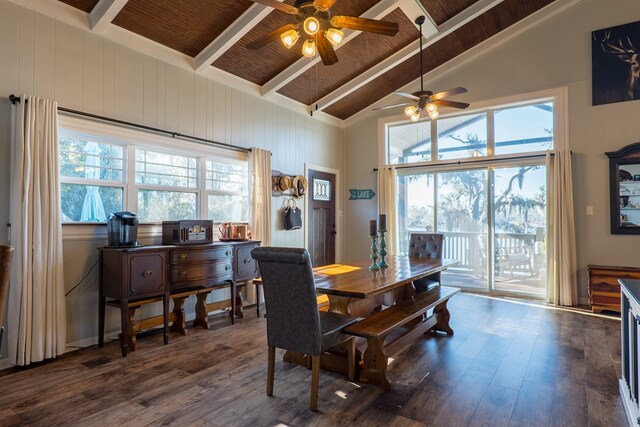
[
  {"x": 426, "y": 245},
  {"x": 293, "y": 321},
  {"x": 6, "y": 255}
]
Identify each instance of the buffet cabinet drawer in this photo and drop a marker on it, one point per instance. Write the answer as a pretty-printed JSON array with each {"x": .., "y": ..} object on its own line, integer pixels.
[
  {"x": 179, "y": 256},
  {"x": 246, "y": 266},
  {"x": 217, "y": 270},
  {"x": 146, "y": 274}
]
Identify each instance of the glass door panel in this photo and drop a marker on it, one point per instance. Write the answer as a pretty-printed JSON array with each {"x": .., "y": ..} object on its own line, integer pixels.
[
  {"x": 520, "y": 229},
  {"x": 461, "y": 212},
  {"x": 415, "y": 207}
]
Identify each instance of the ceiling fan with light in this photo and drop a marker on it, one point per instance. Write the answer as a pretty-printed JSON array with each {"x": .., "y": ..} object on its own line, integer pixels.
[
  {"x": 321, "y": 30},
  {"x": 425, "y": 100}
]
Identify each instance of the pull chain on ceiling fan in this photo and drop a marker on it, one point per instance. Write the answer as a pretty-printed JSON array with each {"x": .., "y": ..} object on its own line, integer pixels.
[
  {"x": 322, "y": 32},
  {"x": 425, "y": 100}
]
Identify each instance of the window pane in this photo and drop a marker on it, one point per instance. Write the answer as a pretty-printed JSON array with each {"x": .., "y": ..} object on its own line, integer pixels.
[
  {"x": 165, "y": 169},
  {"x": 524, "y": 129},
  {"x": 156, "y": 206},
  {"x": 462, "y": 136},
  {"x": 227, "y": 177},
  {"x": 225, "y": 207},
  {"x": 415, "y": 207},
  {"x": 89, "y": 203},
  {"x": 410, "y": 142},
  {"x": 91, "y": 160}
]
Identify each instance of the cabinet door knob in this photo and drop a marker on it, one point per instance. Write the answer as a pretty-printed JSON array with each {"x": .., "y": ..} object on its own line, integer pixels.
[
  {"x": 184, "y": 257},
  {"x": 184, "y": 273},
  {"x": 227, "y": 267},
  {"x": 247, "y": 260},
  {"x": 228, "y": 253},
  {"x": 147, "y": 273}
]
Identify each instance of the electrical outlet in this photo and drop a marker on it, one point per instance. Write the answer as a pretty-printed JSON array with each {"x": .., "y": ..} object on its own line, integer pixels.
[{"x": 589, "y": 210}]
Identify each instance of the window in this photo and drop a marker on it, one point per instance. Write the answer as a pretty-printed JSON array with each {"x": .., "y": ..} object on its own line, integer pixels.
[
  {"x": 163, "y": 182},
  {"x": 502, "y": 130},
  {"x": 227, "y": 191},
  {"x": 91, "y": 179},
  {"x": 100, "y": 175},
  {"x": 410, "y": 142}
]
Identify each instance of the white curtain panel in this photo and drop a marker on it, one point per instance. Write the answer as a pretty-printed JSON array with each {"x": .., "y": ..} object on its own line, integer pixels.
[
  {"x": 387, "y": 178},
  {"x": 561, "y": 242},
  {"x": 260, "y": 163},
  {"x": 36, "y": 315}
]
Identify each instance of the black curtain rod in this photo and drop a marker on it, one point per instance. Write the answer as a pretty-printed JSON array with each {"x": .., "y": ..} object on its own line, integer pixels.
[
  {"x": 480, "y": 160},
  {"x": 15, "y": 99}
]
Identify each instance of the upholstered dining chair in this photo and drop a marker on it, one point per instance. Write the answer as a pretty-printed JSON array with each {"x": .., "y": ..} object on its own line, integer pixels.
[
  {"x": 293, "y": 319},
  {"x": 6, "y": 255},
  {"x": 426, "y": 245}
]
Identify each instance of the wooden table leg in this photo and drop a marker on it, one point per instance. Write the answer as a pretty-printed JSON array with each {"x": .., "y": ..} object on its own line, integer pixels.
[
  {"x": 375, "y": 363},
  {"x": 179, "y": 325},
  {"x": 443, "y": 316},
  {"x": 201, "y": 311}
]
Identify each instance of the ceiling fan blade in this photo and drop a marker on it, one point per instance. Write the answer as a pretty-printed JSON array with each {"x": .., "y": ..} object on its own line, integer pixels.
[
  {"x": 363, "y": 24},
  {"x": 407, "y": 95},
  {"x": 391, "y": 106},
  {"x": 452, "y": 104},
  {"x": 274, "y": 35},
  {"x": 279, "y": 6},
  {"x": 326, "y": 51},
  {"x": 323, "y": 5},
  {"x": 447, "y": 93}
]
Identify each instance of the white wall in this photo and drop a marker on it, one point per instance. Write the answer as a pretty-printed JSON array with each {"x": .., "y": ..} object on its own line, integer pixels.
[
  {"x": 82, "y": 71},
  {"x": 555, "y": 53}
]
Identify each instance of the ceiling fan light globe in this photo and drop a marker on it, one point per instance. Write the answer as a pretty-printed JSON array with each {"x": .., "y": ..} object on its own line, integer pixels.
[
  {"x": 290, "y": 38},
  {"x": 309, "y": 48},
  {"x": 434, "y": 114},
  {"x": 415, "y": 117},
  {"x": 311, "y": 25},
  {"x": 334, "y": 36},
  {"x": 431, "y": 108},
  {"x": 410, "y": 110}
]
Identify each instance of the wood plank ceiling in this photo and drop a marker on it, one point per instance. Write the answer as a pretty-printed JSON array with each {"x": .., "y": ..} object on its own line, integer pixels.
[{"x": 190, "y": 26}]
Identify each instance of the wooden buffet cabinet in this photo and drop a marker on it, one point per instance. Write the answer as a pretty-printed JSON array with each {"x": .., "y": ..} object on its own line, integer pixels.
[
  {"x": 604, "y": 288},
  {"x": 131, "y": 277}
]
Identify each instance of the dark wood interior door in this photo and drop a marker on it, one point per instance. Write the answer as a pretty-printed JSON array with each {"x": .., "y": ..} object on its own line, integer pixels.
[{"x": 322, "y": 218}]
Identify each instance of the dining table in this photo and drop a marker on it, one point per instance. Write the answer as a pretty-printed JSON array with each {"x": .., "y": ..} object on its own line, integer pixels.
[{"x": 355, "y": 290}]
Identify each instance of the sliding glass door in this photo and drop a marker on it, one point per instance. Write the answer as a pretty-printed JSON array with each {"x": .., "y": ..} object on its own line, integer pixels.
[{"x": 493, "y": 220}]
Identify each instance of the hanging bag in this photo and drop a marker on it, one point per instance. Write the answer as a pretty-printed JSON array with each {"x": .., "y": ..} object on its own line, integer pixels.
[{"x": 292, "y": 216}]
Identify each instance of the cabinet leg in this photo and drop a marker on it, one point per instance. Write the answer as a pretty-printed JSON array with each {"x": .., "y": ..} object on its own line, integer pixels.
[
  {"x": 165, "y": 316},
  {"x": 101, "y": 316},
  {"x": 234, "y": 291},
  {"x": 179, "y": 325},
  {"x": 132, "y": 329},
  {"x": 201, "y": 311},
  {"x": 124, "y": 327}
]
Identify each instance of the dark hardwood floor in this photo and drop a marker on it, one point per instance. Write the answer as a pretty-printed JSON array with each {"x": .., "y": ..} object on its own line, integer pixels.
[{"x": 509, "y": 364}]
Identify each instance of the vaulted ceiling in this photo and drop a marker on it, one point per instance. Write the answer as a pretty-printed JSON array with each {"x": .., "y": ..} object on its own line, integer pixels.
[{"x": 215, "y": 33}]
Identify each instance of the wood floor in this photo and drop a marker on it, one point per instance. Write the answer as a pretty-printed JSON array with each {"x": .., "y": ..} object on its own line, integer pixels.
[{"x": 509, "y": 364}]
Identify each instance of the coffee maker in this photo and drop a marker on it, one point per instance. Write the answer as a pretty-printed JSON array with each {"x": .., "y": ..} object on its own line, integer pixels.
[{"x": 122, "y": 229}]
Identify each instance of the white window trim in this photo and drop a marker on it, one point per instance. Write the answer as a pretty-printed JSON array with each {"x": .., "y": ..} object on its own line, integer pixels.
[
  {"x": 559, "y": 96},
  {"x": 131, "y": 138}
]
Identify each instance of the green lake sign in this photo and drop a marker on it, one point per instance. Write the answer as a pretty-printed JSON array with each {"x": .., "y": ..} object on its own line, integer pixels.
[{"x": 361, "y": 194}]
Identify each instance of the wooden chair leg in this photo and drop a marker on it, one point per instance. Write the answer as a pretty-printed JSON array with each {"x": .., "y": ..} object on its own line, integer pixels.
[
  {"x": 271, "y": 365},
  {"x": 315, "y": 379},
  {"x": 351, "y": 357}
]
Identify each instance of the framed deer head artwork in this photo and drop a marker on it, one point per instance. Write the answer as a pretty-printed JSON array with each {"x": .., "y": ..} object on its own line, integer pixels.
[{"x": 616, "y": 64}]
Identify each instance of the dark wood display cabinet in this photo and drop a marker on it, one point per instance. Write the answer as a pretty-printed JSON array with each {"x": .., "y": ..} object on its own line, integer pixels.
[{"x": 131, "y": 277}]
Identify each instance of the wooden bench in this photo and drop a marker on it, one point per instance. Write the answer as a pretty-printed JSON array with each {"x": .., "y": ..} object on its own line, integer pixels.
[{"x": 405, "y": 315}]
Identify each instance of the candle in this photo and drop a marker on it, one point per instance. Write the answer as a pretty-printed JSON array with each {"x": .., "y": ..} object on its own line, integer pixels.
[
  {"x": 383, "y": 221},
  {"x": 373, "y": 229}
]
